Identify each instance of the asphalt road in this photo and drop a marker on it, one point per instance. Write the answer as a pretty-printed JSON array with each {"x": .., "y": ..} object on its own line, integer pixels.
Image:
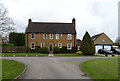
[{"x": 52, "y": 67}]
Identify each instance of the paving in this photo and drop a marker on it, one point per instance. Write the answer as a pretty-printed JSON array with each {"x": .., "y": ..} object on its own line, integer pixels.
[{"x": 53, "y": 67}]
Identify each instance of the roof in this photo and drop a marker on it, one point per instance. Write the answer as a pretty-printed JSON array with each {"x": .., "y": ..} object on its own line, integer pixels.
[
  {"x": 96, "y": 36},
  {"x": 50, "y": 27}
]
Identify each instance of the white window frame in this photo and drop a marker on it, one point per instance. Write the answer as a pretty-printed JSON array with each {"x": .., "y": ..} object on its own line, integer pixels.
[
  {"x": 42, "y": 44},
  {"x": 60, "y": 45},
  {"x": 69, "y": 48},
  {"x": 51, "y": 36},
  {"x": 33, "y": 46},
  {"x": 44, "y": 36},
  {"x": 69, "y": 36},
  {"x": 57, "y": 36},
  {"x": 32, "y": 35}
]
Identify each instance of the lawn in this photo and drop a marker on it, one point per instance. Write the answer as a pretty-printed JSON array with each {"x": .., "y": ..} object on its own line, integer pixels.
[
  {"x": 39, "y": 54},
  {"x": 72, "y": 55},
  {"x": 11, "y": 69},
  {"x": 23, "y": 54},
  {"x": 101, "y": 69}
]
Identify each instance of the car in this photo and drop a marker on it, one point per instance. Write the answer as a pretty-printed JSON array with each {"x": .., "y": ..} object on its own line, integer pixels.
[
  {"x": 116, "y": 50},
  {"x": 104, "y": 51}
]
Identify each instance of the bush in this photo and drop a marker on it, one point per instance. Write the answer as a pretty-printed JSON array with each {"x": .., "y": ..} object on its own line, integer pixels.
[
  {"x": 79, "y": 52},
  {"x": 87, "y": 45},
  {"x": 44, "y": 50},
  {"x": 56, "y": 50},
  {"x": 64, "y": 50}
]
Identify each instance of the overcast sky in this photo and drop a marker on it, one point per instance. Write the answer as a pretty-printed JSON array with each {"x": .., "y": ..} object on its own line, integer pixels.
[{"x": 94, "y": 16}]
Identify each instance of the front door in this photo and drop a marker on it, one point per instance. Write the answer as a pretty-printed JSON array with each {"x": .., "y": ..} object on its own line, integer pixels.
[{"x": 51, "y": 47}]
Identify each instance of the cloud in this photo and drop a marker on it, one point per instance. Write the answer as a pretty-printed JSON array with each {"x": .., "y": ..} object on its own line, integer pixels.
[{"x": 95, "y": 16}]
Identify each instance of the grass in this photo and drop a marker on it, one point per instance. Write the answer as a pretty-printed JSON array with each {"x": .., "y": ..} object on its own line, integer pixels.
[
  {"x": 23, "y": 54},
  {"x": 101, "y": 69},
  {"x": 72, "y": 55},
  {"x": 39, "y": 54},
  {"x": 11, "y": 69}
]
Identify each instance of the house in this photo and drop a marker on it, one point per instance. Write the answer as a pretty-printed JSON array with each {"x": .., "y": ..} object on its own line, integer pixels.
[
  {"x": 102, "y": 41},
  {"x": 51, "y": 34}
]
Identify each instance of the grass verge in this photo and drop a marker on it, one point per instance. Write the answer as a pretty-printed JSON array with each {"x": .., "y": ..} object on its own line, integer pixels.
[
  {"x": 11, "y": 69},
  {"x": 100, "y": 69},
  {"x": 23, "y": 54},
  {"x": 72, "y": 55}
]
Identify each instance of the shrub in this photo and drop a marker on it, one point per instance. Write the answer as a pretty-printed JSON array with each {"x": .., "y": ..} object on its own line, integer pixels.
[
  {"x": 56, "y": 50},
  {"x": 64, "y": 50},
  {"x": 44, "y": 50},
  {"x": 87, "y": 45},
  {"x": 79, "y": 52}
]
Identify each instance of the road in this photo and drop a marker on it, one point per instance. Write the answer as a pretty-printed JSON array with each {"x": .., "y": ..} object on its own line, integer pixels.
[{"x": 53, "y": 67}]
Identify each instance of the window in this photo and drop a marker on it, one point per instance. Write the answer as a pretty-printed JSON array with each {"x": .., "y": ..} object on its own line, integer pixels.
[
  {"x": 69, "y": 37},
  {"x": 32, "y": 36},
  {"x": 69, "y": 46},
  {"x": 44, "y": 36},
  {"x": 57, "y": 36},
  {"x": 42, "y": 44},
  {"x": 32, "y": 45},
  {"x": 60, "y": 45},
  {"x": 51, "y": 36}
]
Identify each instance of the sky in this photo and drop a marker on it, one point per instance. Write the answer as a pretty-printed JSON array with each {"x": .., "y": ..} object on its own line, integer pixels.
[{"x": 94, "y": 16}]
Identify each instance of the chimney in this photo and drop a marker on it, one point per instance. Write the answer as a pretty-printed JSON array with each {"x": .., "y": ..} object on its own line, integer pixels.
[
  {"x": 73, "y": 22},
  {"x": 29, "y": 20}
]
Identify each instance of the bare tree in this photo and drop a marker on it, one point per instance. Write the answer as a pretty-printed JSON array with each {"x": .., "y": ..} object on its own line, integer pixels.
[{"x": 6, "y": 23}]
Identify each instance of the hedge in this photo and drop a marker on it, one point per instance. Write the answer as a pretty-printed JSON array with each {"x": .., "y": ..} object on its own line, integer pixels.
[{"x": 23, "y": 49}]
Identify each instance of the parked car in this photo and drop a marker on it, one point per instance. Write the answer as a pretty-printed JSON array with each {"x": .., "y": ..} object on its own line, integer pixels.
[
  {"x": 116, "y": 50},
  {"x": 104, "y": 51}
]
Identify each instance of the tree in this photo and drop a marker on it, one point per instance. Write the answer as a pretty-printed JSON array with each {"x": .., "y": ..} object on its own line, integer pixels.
[
  {"x": 87, "y": 45},
  {"x": 6, "y": 23},
  {"x": 18, "y": 39}
]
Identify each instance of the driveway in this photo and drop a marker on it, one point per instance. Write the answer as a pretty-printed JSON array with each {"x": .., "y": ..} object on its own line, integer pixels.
[{"x": 53, "y": 67}]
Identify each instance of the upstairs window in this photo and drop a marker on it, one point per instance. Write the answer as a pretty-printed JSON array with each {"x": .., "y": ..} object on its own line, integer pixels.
[
  {"x": 57, "y": 36},
  {"x": 69, "y": 46},
  {"x": 32, "y": 36},
  {"x": 32, "y": 45},
  {"x": 51, "y": 36},
  {"x": 69, "y": 36},
  {"x": 60, "y": 45},
  {"x": 42, "y": 44},
  {"x": 45, "y": 36}
]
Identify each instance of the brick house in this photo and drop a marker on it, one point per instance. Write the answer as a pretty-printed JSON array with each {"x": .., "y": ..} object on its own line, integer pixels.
[{"x": 51, "y": 34}]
